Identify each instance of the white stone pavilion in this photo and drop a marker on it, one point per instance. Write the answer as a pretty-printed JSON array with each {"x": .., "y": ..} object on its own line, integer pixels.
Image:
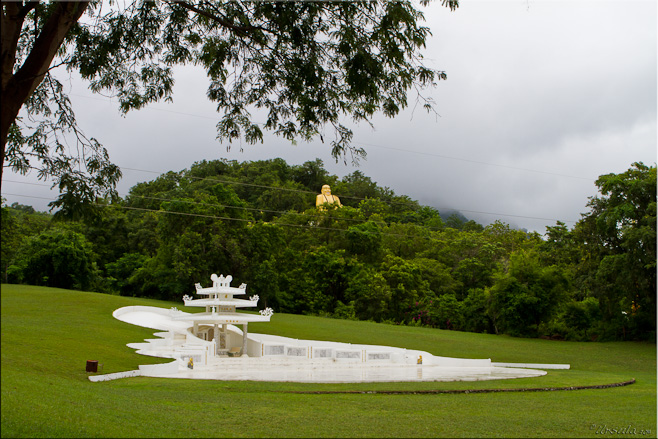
[{"x": 221, "y": 306}]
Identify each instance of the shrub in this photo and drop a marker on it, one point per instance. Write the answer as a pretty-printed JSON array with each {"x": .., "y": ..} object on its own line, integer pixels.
[{"x": 56, "y": 258}]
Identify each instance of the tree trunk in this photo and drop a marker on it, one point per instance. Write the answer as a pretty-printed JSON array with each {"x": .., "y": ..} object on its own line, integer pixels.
[{"x": 17, "y": 87}]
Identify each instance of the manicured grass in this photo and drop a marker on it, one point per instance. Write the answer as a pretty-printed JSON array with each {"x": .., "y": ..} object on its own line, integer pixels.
[{"x": 48, "y": 334}]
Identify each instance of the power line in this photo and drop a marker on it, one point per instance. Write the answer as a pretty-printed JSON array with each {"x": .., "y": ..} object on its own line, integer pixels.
[
  {"x": 274, "y": 187},
  {"x": 26, "y": 182},
  {"x": 298, "y": 191},
  {"x": 286, "y": 212},
  {"x": 230, "y": 207},
  {"x": 347, "y": 196},
  {"x": 302, "y": 226},
  {"x": 514, "y": 216},
  {"x": 516, "y": 168},
  {"x": 108, "y": 99},
  {"x": 175, "y": 201},
  {"x": 474, "y": 161},
  {"x": 218, "y": 180},
  {"x": 235, "y": 183},
  {"x": 302, "y": 191},
  {"x": 253, "y": 209},
  {"x": 215, "y": 217}
]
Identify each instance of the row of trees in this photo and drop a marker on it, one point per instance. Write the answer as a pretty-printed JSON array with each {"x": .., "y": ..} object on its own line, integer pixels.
[{"x": 381, "y": 257}]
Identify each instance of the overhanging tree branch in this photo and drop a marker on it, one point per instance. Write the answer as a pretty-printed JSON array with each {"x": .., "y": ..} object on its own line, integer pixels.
[
  {"x": 18, "y": 88},
  {"x": 240, "y": 30},
  {"x": 308, "y": 64}
]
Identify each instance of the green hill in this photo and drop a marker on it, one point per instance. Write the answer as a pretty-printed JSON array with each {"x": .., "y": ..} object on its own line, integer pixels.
[{"x": 380, "y": 257}]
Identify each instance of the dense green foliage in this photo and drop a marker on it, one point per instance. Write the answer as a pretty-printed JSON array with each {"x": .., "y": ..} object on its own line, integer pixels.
[
  {"x": 46, "y": 393},
  {"x": 381, "y": 257}
]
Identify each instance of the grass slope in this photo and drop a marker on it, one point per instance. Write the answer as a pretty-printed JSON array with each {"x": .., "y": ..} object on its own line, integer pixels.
[{"x": 48, "y": 334}]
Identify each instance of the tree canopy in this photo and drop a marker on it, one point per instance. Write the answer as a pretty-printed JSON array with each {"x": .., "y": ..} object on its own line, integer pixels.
[
  {"x": 380, "y": 257},
  {"x": 306, "y": 64}
]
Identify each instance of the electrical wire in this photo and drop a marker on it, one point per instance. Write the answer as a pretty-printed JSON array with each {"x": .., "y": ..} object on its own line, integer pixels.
[
  {"x": 216, "y": 217},
  {"x": 212, "y": 179},
  {"x": 284, "y": 212},
  {"x": 474, "y": 161},
  {"x": 302, "y": 191},
  {"x": 406, "y": 151}
]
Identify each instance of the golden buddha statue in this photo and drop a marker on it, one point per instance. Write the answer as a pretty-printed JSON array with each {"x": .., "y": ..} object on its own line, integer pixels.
[{"x": 326, "y": 198}]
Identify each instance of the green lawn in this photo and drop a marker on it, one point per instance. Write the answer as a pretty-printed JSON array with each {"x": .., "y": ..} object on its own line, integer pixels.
[{"x": 48, "y": 334}]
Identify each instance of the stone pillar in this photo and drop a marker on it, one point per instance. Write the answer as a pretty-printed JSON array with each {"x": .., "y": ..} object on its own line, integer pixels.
[
  {"x": 222, "y": 337},
  {"x": 244, "y": 339},
  {"x": 216, "y": 338}
]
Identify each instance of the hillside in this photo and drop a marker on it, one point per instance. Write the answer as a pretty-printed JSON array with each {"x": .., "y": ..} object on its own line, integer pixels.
[{"x": 377, "y": 256}]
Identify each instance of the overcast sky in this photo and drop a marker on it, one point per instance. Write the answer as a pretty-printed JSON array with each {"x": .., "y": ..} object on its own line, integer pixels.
[{"x": 542, "y": 97}]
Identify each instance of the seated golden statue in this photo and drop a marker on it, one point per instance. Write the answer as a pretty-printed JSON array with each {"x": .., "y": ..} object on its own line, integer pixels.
[{"x": 326, "y": 198}]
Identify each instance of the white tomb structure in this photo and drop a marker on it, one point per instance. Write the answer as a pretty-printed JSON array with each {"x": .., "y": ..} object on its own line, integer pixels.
[
  {"x": 220, "y": 305},
  {"x": 203, "y": 346}
]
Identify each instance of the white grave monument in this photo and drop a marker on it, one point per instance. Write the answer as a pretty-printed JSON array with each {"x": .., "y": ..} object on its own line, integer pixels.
[{"x": 202, "y": 345}]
